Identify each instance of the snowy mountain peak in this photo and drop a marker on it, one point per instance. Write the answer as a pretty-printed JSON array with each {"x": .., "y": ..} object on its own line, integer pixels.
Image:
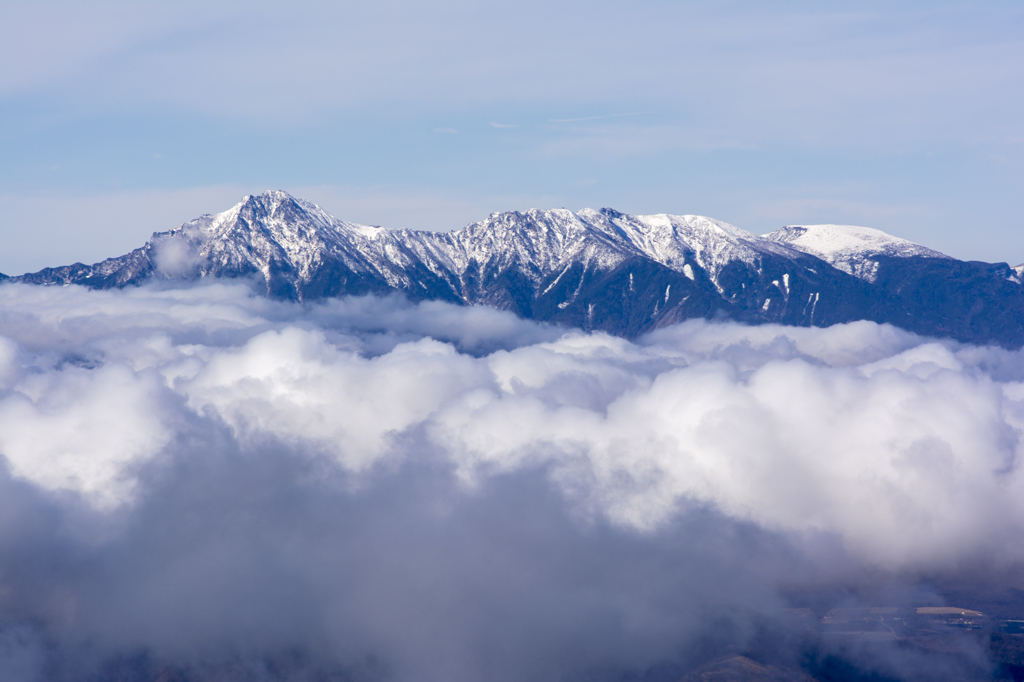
[
  {"x": 849, "y": 248},
  {"x": 274, "y": 215}
]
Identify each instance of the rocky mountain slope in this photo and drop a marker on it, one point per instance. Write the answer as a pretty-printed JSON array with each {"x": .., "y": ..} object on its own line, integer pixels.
[{"x": 626, "y": 274}]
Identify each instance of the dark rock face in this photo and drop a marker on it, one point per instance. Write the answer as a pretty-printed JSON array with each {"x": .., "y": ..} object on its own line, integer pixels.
[
  {"x": 603, "y": 270},
  {"x": 965, "y": 300}
]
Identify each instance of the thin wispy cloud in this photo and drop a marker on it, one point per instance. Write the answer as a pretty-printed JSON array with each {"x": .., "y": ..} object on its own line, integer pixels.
[
  {"x": 836, "y": 94},
  {"x": 504, "y": 125},
  {"x": 632, "y": 139},
  {"x": 596, "y": 118}
]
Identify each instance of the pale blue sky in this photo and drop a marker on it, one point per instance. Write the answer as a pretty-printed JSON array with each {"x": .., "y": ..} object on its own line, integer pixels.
[{"x": 121, "y": 118}]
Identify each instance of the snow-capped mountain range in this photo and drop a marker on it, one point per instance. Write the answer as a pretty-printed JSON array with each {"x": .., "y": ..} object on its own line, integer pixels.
[{"x": 596, "y": 269}]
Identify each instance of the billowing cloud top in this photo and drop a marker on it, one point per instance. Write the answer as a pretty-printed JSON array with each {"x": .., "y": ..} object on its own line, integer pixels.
[{"x": 361, "y": 468}]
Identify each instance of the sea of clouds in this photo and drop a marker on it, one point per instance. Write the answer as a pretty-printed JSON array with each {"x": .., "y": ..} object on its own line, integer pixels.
[{"x": 208, "y": 484}]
